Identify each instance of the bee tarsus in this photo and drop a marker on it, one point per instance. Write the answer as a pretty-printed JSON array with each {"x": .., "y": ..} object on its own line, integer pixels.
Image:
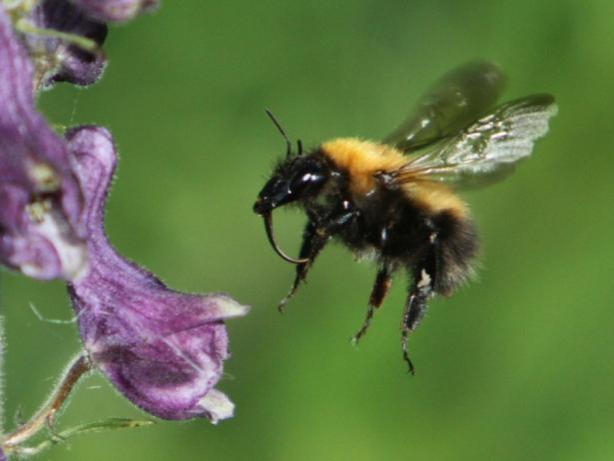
[{"x": 383, "y": 282}]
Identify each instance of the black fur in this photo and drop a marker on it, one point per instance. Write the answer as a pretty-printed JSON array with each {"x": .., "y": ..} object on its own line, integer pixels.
[
  {"x": 435, "y": 249},
  {"x": 398, "y": 229}
]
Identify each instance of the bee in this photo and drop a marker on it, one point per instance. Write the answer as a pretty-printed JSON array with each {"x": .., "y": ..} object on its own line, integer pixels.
[{"x": 396, "y": 199}]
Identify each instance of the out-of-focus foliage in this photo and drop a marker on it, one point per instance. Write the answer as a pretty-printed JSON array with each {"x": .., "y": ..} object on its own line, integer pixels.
[{"x": 515, "y": 366}]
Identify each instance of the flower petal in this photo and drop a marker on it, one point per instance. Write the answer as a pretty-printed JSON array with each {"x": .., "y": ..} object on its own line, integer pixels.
[
  {"x": 162, "y": 349},
  {"x": 217, "y": 406},
  {"x": 40, "y": 200},
  {"x": 115, "y": 10}
]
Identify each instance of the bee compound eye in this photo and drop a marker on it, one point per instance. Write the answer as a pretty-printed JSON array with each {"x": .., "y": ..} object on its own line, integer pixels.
[{"x": 306, "y": 181}]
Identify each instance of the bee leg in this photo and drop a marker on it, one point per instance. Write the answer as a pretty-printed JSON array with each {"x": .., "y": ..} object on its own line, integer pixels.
[
  {"x": 314, "y": 239},
  {"x": 422, "y": 288},
  {"x": 383, "y": 281}
]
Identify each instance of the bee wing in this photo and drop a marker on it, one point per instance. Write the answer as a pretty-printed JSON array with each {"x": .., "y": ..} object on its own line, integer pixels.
[
  {"x": 457, "y": 99},
  {"x": 486, "y": 150}
]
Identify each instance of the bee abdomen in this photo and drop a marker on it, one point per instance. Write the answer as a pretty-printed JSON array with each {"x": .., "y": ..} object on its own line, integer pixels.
[{"x": 457, "y": 247}]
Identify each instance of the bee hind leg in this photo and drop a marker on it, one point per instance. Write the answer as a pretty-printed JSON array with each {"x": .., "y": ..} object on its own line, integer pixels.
[
  {"x": 382, "y": 284},
  {"x": 421, "y": 289}
]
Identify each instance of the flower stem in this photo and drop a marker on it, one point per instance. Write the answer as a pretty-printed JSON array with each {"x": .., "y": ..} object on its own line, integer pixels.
[{"x": 44, "y": 417}]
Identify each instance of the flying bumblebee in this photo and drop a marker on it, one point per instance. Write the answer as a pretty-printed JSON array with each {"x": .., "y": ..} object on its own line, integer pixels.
[{"x": 396, "y": 199}]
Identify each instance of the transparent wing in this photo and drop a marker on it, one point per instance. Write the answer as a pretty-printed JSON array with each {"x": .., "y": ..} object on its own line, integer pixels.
[
  {"x": 486, "y": 150},
  {"x": 457, "y": 99}
]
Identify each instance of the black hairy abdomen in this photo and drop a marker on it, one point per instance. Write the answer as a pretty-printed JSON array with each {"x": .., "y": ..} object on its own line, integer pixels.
[
  {"x": 401, "y": 232},
  {"x": 458, "y": 245}
]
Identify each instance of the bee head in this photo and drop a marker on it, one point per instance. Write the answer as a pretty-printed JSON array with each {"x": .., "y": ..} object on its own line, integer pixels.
[{"x": 295, "y": 178}]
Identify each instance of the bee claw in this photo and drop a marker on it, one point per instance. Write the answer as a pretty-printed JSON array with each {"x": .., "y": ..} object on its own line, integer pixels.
[
  {"x": 365, "y": 325},
  {"x": 359, "y": 334},
  {"x": 410, "y": 365}
]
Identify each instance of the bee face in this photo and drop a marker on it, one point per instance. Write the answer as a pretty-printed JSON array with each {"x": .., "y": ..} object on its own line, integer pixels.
[{"x": 296, "y": 178}]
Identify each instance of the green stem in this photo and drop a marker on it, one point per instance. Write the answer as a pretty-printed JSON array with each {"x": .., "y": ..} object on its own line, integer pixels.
[
  {"x": 18, "y": 8},
  {"x": 44, "y": 417},
  {"x": 2, "y": 352}
]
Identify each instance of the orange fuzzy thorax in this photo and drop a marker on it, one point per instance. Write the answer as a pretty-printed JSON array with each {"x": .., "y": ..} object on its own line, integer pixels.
[{"x": 363, "y": 159}]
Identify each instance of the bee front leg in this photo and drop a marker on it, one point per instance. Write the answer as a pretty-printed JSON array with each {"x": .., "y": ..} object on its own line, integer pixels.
[
  {"x": 314, "y": 239},
  {"x": 382, "y": 284},
  {"x": 422, "y": 288}
]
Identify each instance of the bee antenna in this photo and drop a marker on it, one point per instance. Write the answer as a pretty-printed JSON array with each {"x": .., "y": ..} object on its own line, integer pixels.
[
  {"x": 282, "y": 131},
  {"x": 299, "y": 147}
]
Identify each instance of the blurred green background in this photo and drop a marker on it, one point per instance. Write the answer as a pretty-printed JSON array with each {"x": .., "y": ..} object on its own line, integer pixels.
[{"x": 517, "y": 365}]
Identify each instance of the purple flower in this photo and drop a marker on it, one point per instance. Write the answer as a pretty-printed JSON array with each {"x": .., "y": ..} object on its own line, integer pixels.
[
  {"x": 115, "y": 10},
  {"x": 162, "y": 349},
  {"x": 40, "y": 201},
  {"x": 57, "y": 58}
]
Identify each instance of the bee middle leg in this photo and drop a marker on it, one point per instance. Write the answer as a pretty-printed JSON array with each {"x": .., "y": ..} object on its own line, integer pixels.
[
  {"x": 421, "y": 289},
  {"x": 382, "y": 284}
]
